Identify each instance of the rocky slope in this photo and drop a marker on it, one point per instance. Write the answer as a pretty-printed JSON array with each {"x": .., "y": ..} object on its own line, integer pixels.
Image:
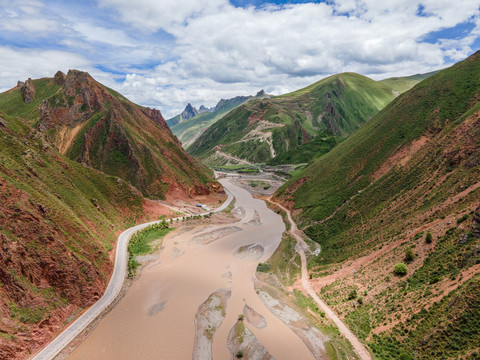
[
  {"x": 59, "y": 216},
  {"x": 100, "y": 128},
  {"x": 188, "y": 130},
  {"x": 404, "y": 188},
  {"x": 58, "y": 221},
  {"x": 278, "y": 129}
]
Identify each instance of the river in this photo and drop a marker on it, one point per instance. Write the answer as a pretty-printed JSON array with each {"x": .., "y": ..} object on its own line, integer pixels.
[{"x": 156, "y": 317}]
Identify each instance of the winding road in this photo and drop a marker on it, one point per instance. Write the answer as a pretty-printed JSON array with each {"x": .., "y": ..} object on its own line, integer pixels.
[
  {"x": 301, "y": 247},
  {"x": 111, "y": 293}
]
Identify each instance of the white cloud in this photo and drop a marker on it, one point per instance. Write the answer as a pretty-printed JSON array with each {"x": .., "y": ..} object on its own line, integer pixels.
[
  {"x": 34, "y": 63},
  {"x": 28, "y": 18},
  {"x": 200, "y": 51},
  {"x": 291, "y": 46},
  {"x": 153, "y": 15}
]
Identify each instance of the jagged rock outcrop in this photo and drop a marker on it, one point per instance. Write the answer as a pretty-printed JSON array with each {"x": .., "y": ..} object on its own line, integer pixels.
[
  {"x": 189, "y": 112},
  {"x": 28, "y": 90},
  {"x": 96, "y": 126}
]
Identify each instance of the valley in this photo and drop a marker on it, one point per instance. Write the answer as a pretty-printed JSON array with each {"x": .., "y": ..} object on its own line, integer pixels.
[
  {"x": 240, "y": 179},
  {"x": 227, "y": 255},
  {"x": 351, "y": 227}
]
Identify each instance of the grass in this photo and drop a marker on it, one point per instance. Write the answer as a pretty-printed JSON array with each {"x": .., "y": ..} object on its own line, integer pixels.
[
  {"x": 344, "y": 175},
  {"x": 140, "y": 243},
  {"x": 188, "y": 130},
  {"x": 309, "y": 130},
  {"x": 350, "y": 212}
]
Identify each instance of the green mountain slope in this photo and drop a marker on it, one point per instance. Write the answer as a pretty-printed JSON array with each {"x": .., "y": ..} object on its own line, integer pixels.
[
  {"x": 404, "y": 83},
  {"x": 71, "y": 151},
  {"x": 413, "y": 169},
  {"x": 277, "y": 128},
  {"x": 58, "y": 224},
  {"x": 189, "y": 130},
  {"x": 96, "y": 126}
]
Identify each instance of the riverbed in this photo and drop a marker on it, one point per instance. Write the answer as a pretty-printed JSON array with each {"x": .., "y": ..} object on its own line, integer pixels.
[{"x": 159, "y": 316}]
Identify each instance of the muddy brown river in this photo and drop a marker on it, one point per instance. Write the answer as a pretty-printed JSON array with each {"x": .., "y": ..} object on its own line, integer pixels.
[{"x": 156, "y": 318}]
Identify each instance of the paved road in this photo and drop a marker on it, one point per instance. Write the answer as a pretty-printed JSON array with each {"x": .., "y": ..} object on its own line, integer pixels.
[
  {"x": 111, "y": 293},
  {"x": 358, "y": 347}
]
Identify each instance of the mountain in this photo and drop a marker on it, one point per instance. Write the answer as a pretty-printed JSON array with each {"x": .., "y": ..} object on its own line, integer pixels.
[
  {"x": 275, "y": 130},
  {"x": 404, "y": 83},
  {"x": 189, "y": 130},
  {"x": 59, "y": 216},
  {"x": 58, "y": 221},
  {"x": 189, "y": 112},
  {"x": 404, "y": 188},
  {"x": 98, "y": 127}
]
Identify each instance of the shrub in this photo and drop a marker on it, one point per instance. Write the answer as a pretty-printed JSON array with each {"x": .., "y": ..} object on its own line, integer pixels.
[
  {"x": 429, "y": 238},
  {"x": 352, "y": 295},
  {"x": 409, "y": 254},
  {"x": 240, "y": 354},
  {"x": 400, "y": 269},
  {"x": 264, "y": 267}
]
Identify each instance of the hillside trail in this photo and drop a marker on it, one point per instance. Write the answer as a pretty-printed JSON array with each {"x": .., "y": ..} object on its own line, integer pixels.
[{"x": 301, "y": 247}]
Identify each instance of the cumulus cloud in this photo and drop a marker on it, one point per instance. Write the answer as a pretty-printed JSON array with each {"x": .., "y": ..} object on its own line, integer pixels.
[
  {"x": 152, "y": 15},
  {"x": 165, "y": 54},
  {"x": 16, "y": 64}
]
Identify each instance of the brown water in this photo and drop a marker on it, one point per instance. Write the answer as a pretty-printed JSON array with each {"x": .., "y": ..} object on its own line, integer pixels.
[{"x": 155, "y": 319}]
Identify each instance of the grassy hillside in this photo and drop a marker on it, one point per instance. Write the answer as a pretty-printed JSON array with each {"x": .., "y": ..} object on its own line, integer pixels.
[
  {"x": 405, "y": 83},
  {"x": 189, "y": 130},
  {"x": 278, "y": 128},
  {"x": 370, "y": 202},
  {"x": 58, "y": 224},
  {"x": 96, "y": 126}
]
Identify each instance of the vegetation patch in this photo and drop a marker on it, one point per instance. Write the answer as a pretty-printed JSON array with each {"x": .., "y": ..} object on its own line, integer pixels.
[{"x": 140, "y": 243}]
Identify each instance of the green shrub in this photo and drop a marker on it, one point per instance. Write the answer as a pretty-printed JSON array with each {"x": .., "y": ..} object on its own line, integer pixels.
[
  {"x": 352, "y": 295},
  {"x": 462, "y": 219},
  {"x": 400, "y": 269},
  {"x": 429, "y": 238},
  {"x": 409, "y": 254},
  {"x": 264, "y": 267}
]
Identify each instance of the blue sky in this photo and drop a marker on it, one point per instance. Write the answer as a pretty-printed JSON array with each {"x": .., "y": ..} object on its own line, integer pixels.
[{"x": 165, "y": 54}]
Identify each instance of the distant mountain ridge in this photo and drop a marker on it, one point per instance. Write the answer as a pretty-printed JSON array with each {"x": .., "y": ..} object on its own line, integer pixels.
[
  {"x": 187, "y": 130},
  {"x": 277, "y": 130}
]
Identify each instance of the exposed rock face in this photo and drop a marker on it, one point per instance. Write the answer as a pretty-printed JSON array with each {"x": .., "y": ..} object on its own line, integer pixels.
[
  {"x": 59, "y": 78},
  {"x": 203, "y": 109},
  {"x": 189, "y": 112},
  {"x": 98, "y": 127},
  {"x": 28, "y": 90}
]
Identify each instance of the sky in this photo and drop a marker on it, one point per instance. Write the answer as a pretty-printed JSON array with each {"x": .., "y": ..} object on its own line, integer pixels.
[{"x": 165, "y": 54}]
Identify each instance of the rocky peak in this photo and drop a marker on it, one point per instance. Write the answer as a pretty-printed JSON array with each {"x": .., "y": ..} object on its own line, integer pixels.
[
  {"x": 59, "y": 78},
  {"x": 220, "y": 104},
  {"x": 203, "y": 108},
  {"x": 189, "y": 112},
  {"x": 261, "y": 93},
  {"x": 27, "y": 89}
]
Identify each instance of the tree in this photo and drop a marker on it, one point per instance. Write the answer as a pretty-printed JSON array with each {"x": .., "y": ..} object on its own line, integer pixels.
[{"x": 400, "y": 269}]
